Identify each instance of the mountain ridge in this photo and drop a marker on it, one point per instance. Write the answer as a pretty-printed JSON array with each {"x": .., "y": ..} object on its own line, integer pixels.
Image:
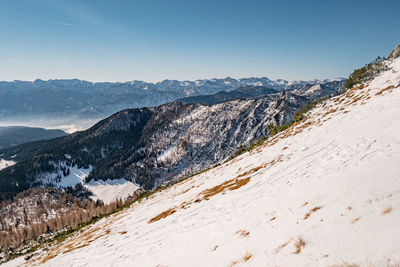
[
  {"x": 16, "y": 135},
  {"x": 65, "y": 102}
]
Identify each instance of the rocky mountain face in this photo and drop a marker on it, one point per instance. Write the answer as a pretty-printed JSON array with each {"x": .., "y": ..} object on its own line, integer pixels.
[
  {"x": 395, "y": 53},
  {"x": 79, "y": 99},
  {"x": 150, "y": 146},
  {"x": 314, "y": 91}
]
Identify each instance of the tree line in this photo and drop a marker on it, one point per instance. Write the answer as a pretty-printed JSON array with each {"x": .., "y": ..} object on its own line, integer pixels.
[{"x": 39, "y": 214}]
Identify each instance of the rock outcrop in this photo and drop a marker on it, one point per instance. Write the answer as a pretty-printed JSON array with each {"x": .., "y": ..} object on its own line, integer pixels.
[{"x": 395, "y": 53}]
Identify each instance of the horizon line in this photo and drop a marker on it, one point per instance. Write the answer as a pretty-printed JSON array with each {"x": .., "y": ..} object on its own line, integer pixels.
[{"x": 160, "y": 81}]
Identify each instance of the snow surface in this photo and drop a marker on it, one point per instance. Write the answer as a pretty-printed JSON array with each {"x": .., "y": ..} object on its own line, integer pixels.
[
  {"x": 109, "y": 190},
  {"x": 166, "y": 153},
  {"x": 6, "y": 163},
  {"x": 331, "y": 181},
  {"x": 76, "y": 176}
]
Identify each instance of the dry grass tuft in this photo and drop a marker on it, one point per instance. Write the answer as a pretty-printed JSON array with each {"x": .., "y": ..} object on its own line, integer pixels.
[
  {"x": 355, "y": 220},
  {"x": 49, "y": 257},
  {"x": 386, "y": 211},
  {"x": 234, "y": 263},
  {"x": 251, "y": 171},
  {"x": 345, "y": 264},
  {"x": 232, "y": 184},
  {"x": 123, "y": 232},
  {"x": 385, "y": 89},
  {"x": 77, "y": 247},
  {"x": 247, "y": 256},
  {"x": 282, "y": 246},
  {"x": 300, "y": 243},
  {"x": 243, "y": 233},
  {"x": 308, "y": 214},
  {"x": 162, "y": 215}
]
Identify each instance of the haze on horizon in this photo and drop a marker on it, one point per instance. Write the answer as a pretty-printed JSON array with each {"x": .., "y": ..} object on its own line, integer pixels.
[{"x": 189, "y": 40}]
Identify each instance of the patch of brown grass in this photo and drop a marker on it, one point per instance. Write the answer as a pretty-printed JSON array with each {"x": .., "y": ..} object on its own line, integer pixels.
[
  {"x": 359, "y": 87},
  {"x": 123, "y": 232},
  {"x": 345, "y": 264},
  {"x": 234, "y": 263},
  {"x": 243, "y": 233},
  {"x": 185, "y": 191},
  {"x": 356, "y": 99},
  {"x": 75, "y": 247},
  {"x": 386, "y": 211},
  {"x": 232, "y": 184},
  {"x": 355, "y": 220},
  {"x": 162, "y": 215},
  {"x": 253, "y": 170},
  {"x": 300, "y": 243},
  {"x": 245, "y": 258},
  {"x": 385, "y": 89},
  {"x": 308, "y": 214},
  {"x": 282, "y": 246},
  {"x": 49, "y": 257}
]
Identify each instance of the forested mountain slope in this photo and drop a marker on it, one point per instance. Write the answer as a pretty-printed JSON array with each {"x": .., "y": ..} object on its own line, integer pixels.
[{"x": 149, "y": 146}]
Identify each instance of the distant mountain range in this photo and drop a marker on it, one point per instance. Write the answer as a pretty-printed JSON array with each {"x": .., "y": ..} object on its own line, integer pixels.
[
  {"x": 16, "y": 135},
  {"x": 60, "y": 99},
  {"x": 311, "y": 91}
]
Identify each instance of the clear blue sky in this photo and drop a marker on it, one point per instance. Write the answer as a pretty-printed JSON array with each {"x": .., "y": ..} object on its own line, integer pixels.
[{"x": 150, "y": 40}]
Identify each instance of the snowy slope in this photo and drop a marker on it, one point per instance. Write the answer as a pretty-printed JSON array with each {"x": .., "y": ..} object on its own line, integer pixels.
[
  {"x": 111, "y": 190},
  {"x": 5, "y": 163},
  {"x": 325, "y": 192},
  {"x": 107, "y": 191}
]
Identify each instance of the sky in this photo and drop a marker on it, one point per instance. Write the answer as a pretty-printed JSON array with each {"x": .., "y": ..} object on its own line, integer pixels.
[{"x": 153, "y": 40}]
